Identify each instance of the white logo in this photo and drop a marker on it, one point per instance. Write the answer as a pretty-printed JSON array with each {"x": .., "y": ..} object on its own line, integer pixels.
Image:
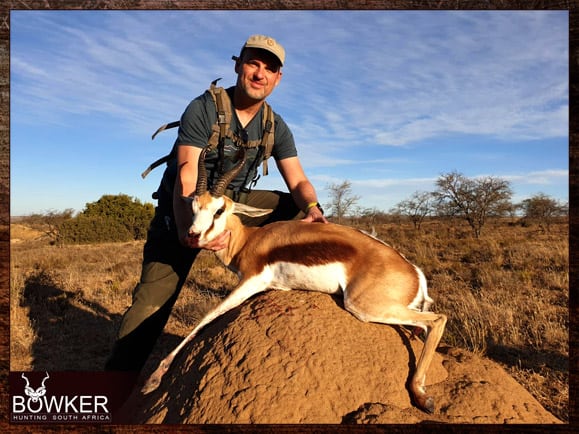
[
  {"x": 38, "y": 406},
  {"x": 35, "y": 395}
]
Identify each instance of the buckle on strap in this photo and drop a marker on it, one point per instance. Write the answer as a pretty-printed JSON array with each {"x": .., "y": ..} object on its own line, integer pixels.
[
  {"x": 237, "y": 196},
  {"x": 230, "y": 194}
]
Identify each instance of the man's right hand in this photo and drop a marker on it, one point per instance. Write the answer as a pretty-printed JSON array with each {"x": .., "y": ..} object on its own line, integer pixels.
[{"x": 218, "y": 243}]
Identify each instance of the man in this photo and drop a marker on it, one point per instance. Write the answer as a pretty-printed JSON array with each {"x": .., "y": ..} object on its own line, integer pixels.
[{"x": 169, "y": 251}]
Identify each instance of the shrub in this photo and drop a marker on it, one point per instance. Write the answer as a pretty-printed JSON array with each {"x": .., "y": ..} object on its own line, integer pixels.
[
  {"x": 113, "y": 218},
  {"x": 129, "y": 212},
  {"x": 86, "y": 230}
]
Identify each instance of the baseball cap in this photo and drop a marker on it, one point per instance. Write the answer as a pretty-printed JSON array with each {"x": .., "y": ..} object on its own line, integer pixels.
[{"x": 266, "y": 43}]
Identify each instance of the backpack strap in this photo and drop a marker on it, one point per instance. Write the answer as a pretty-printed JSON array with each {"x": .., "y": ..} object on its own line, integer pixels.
[
  {"x": 166, "y": 127},
  {"x": 221, "y": 129},
  {"x": 165, "y": 158},
  {"x": 268, "y": 137},
  {"x": 222, "y": 102}
]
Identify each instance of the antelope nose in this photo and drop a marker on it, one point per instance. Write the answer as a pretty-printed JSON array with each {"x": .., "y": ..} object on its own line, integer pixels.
[{"x": 194, "y": 235}]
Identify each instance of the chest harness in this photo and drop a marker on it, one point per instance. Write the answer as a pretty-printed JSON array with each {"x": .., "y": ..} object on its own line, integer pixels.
[{"x": 221, "y": 130}]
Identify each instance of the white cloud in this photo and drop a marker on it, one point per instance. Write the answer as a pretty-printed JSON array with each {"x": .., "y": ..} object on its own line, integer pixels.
[
  {"x": 543, "y": 177},
  {"x": 371, "y": 80}
]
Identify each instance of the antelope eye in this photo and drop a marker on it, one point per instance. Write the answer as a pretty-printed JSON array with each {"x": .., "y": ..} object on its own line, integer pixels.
[{"x": 219, "y": 212}]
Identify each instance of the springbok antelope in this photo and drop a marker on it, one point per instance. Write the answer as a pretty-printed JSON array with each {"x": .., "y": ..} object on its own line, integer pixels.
[{"x": 377, "y": 283}]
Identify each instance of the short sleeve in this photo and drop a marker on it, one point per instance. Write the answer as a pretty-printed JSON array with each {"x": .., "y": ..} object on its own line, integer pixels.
[
  {"x": 284, "y": 146},
  {"x": 196, "y": 122}
]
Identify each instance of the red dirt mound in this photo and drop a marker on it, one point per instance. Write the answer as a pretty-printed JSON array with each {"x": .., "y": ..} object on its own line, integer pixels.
[{"x": 299, "y": 357}]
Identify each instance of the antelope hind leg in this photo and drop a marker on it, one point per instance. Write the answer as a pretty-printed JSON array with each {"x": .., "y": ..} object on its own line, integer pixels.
[{"x": 432, "y": 322}]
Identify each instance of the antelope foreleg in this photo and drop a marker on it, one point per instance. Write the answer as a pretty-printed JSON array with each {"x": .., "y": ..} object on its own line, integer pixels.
[{"x": 244, "y": 290}]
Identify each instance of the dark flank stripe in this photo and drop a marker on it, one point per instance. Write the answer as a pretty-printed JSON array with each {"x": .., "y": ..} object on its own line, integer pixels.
[{"x": 313, "y": 253}]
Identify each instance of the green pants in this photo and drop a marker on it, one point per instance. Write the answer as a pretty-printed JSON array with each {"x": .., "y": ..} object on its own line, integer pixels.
[{"x": 166, "y": 264}]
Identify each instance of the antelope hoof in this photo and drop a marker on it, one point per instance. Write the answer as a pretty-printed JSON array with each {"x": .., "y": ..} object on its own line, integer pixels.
[
  {"x": 155, "y": 379},
  {"x": 151, "y": 384},
  {"x": 427, "y": 404}
]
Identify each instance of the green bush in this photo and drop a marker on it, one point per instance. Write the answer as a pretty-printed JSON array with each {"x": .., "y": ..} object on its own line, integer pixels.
[
  {"x": 113, "y": 218},
  {"x": 86, "y": 230}
]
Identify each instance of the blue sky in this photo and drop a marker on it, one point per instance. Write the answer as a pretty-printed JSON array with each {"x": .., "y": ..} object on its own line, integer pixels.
[{"x": 388, "y": 100}]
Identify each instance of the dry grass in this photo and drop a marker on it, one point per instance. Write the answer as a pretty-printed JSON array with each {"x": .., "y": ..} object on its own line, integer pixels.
[{"x": 506, "y": 296}]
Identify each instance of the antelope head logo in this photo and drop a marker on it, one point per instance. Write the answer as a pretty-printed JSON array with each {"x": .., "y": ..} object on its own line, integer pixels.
[{"x": 33, "y": 394}]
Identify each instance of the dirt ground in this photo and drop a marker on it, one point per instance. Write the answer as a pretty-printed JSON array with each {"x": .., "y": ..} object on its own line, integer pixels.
[{"x": 299, "y": 357}]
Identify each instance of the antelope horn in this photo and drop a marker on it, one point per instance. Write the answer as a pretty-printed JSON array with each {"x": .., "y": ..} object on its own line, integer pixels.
[
  {"x": 45, "y": 378},
  {"x": 201, "y": 175},
  {"x": 26, "y": 379},
  {"x": 224, "y": 180}
]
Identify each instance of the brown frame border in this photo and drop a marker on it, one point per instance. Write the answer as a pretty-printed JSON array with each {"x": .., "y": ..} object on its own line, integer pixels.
[{"x": 7, "y": 6}]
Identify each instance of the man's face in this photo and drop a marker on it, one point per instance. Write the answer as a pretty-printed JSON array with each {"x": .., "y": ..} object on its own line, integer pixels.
[{"x": 258, "y": 73}]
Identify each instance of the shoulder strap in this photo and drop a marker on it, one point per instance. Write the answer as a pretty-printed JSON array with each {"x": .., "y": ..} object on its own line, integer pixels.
[
  {"x": 217, "y": 129},
  {"x": 165, "y": 158},
  {"x": 268, "y": 138},
  {"x": 223, "y": 106},
  {"x": 221, "y": 128}
]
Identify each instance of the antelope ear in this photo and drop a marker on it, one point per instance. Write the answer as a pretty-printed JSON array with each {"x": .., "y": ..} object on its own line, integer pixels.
[{"x": 240, "y": 208}]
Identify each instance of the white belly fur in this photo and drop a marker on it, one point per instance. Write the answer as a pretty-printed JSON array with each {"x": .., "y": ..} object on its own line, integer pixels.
[{"x": 328, "y": 278}]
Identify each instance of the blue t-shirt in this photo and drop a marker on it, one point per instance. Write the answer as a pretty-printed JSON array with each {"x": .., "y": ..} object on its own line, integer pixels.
[{"x": 196, "y": 128}]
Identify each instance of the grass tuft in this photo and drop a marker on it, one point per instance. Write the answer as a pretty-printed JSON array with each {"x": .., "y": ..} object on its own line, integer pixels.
[{"x": 506, "y": 296}]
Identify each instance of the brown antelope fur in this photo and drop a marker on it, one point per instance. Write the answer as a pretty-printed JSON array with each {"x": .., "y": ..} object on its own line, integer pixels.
[{"x": 378, "y": 284}]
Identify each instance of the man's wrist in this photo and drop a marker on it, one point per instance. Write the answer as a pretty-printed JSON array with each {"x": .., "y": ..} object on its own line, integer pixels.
[{"x": 314, "y": 205}]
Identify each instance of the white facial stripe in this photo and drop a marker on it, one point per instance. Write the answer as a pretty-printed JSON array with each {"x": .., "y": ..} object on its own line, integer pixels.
[{"x": 206, "y": 220}]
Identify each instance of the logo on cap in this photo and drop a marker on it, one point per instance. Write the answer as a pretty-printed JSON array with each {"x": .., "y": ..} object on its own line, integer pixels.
[{"x": 266, "y": 43}]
